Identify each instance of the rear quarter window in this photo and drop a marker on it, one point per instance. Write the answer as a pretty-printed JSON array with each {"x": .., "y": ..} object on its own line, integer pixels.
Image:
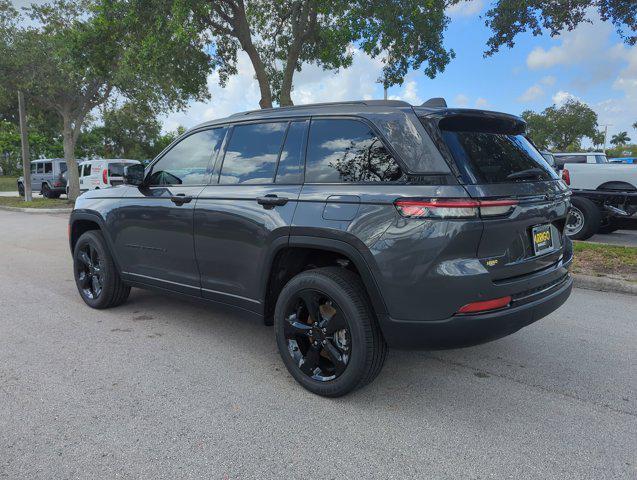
[{"x": 347, "y": 151}]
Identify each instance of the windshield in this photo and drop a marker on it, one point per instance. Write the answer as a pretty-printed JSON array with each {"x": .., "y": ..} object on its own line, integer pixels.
[
  {"x": 117, "y": 169},
  {"x": 487, "y": 157}
]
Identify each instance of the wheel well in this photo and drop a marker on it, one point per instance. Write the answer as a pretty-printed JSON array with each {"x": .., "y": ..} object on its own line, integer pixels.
[
  {"x": 80, "y": 227},
  {"x": 616, "y": 186},
  {"x": 290, "y": 262}
]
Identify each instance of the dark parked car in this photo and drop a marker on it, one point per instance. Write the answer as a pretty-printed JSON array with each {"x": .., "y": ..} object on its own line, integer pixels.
[{"x": 352, "y": 227}]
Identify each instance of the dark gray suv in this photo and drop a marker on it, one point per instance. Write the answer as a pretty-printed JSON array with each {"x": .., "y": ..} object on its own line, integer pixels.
[{"x": 351, "y": 227}]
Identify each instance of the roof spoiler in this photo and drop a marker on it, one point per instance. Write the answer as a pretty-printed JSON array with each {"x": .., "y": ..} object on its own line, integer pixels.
[{"x": 436, "y": 102}]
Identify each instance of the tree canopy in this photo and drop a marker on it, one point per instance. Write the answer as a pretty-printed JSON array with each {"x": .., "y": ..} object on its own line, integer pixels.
[
  {"x": 509, "y": 18},
  {"x": 562, "y": 128},
  {"x": 620, "y": 139},
  {"x": 78, "y": 53},
  {"x": 280, "y": 36}
]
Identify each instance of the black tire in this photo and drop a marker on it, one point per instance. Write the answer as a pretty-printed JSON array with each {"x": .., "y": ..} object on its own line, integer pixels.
[
  {"x": 588, "y": 214},
  {"x": 46, "y": 191},
  {"x": 20, "y": 189},
  {"x": 368, "y": 347},
  {"x": 113, "y": 291}
]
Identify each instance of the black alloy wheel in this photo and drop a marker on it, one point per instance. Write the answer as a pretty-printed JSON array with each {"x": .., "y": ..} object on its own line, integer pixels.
[
  {"x": 90, "y": 272},
  {"x": 327, "y": 333},
  {"x": 96, "y": 276},
  {"x": 317, "y": 335}
]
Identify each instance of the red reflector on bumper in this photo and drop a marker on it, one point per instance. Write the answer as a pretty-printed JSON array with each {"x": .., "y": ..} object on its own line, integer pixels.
[{"x": 486, "y": 305}]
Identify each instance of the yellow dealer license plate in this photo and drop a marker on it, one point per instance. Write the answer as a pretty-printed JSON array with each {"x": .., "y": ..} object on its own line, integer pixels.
[{"x": 542, "y": 240}]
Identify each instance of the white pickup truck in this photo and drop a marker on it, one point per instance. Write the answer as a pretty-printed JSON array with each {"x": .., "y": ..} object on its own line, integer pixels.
[{"x": 604, "y": 197}]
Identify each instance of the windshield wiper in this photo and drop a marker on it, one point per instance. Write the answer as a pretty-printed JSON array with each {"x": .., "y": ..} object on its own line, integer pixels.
[{"x": 529, "y": 173}]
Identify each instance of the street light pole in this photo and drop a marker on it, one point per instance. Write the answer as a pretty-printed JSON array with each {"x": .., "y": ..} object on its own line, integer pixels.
[{"x": 26, "y": 164}]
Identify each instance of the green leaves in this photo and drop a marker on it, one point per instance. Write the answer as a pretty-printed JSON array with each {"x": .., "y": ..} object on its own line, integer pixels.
[{"x": 562, "y": 128}]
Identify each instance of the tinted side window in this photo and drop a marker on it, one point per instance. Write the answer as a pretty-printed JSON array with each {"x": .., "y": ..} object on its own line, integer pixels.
[
  {"x": 347, "y": 151},
  {"x": 62, "y": 167},
  {"x": 34, "y": 166},
  {"x": 48, "y": 167},
  {"x": 188, "y": 162},
  {"x": 252, "y": 153},
  {"x": 290, "y": 169},
  {"x": 40, "y": 168}
]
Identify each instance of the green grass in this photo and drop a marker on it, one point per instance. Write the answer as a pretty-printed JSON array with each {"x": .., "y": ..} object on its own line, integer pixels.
[
  {"x": 8, "y": 184},
  {"x": 601, "y": 259},
  {"x": 35, "y": 203}
]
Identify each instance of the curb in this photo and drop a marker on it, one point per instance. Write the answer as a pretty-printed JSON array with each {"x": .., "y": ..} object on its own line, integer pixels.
[
  {"x": 604, "y": 284},
  {"x": 36, "y": 210}
]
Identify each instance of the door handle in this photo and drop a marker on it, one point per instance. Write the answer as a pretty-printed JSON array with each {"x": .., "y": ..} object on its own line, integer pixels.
[
  {"x": 270, "y": 201},
  {"x": 180, "y": 199}
]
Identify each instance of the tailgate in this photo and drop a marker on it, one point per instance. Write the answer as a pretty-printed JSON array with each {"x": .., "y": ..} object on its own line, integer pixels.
[{"x": 531, "y": 238}]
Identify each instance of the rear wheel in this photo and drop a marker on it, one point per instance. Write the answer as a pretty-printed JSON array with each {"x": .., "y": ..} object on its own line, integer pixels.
[
  {"x": 326, "y": 332},
  {"x": 583, "y": 219},
  {"x": 96, "y": 277},
  {"x": 46, "y": 191}
]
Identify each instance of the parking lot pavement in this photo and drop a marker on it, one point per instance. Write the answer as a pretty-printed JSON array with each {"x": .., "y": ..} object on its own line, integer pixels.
[
  {"x": 627, "y": 238},
  {"x": 163, "y": 388}
]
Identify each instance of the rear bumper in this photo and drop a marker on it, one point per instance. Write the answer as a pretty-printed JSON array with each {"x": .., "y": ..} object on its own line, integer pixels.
[{"x": 466, "y": 330}]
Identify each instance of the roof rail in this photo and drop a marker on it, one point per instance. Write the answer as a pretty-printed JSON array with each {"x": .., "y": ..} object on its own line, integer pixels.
[
  {"x": 388, "y": 103},
  {"x": 436, "y": 102}
]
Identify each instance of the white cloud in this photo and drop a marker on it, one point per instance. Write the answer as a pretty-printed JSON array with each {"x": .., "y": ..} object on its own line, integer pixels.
[
  {"x": 548, "y": 80},
  {"x": 482, "y": 102},
  {"x": 561, "y": 97},
  {"x": 461, "y": 100},
  {"x": 409, "y": 93},
  {"x": 311, "y": 85},
  {"x": 466, "y": 8},
  {"x": 532, "y": 93}
]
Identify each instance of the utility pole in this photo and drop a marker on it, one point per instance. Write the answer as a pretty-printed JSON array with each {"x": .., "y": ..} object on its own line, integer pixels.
[
  {"x": 26, "y": 164},
  {"x": 606, "y": 125}
]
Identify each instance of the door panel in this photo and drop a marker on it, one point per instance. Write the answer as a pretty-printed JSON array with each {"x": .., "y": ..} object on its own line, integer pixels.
[
  {"x": 154, "y": 237},
  {"x": 233, "y": 235}
]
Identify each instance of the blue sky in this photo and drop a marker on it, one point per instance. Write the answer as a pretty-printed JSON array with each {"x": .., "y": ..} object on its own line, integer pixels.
[{"x": 590, "y": 63}]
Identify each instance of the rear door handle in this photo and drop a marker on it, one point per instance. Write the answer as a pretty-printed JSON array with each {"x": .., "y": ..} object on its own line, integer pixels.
[
  {"x": 180, "y": 199},
  {"x": 270, "y": 201}
]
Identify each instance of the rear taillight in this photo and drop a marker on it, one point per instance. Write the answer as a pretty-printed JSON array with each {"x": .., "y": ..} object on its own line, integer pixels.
[
  {"x": 105, "y": 176},
  {"x": 566, "y": 176},
  {"x": 454, "y": 208},
  {"x": 486, "y": 305}
]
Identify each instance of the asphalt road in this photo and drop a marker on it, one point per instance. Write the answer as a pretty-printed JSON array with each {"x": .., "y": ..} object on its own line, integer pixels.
[
  {"x": 162, "y": 388},
  {"x": 627, "y": 238}
]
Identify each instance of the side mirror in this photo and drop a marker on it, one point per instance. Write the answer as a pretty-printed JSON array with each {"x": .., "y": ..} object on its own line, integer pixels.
[{"x": 134, "y": 174}]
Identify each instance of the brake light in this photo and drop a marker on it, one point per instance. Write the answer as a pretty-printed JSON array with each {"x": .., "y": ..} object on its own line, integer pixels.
[
  {"x": 454, "y": 208},
  {"x": 486, "y": 305},
  {"x": 105, "y": 175},
  {"x": 566, "y": 176}
]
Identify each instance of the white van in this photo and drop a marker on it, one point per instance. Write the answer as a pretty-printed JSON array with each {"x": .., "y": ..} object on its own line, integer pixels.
[{"x": 102, "y": 173}]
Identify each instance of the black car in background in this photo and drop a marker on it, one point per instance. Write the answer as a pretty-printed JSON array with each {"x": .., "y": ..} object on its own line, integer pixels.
[{"x": 352, "y": 227}]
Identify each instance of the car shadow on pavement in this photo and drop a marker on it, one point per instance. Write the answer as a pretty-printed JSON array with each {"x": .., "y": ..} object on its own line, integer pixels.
[{"x": 539, "y": 360}]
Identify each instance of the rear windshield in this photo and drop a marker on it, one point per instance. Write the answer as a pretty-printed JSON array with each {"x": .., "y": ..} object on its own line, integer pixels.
[
  {"x": 117, "y": 169},
  {"x": 493, "y": 157}
]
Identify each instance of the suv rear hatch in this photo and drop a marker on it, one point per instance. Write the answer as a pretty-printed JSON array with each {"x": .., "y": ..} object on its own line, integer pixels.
[{"x": 494, "y": 160}]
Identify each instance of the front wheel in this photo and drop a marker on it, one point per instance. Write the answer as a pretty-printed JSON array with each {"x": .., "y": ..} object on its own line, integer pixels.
[
  {"x": 96, "y": 276},
  {"x": 327, "y": 333}
]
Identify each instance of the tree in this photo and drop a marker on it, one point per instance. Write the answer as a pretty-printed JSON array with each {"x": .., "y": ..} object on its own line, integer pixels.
[
  {"x": 562, "y": 128},
  {"x": 598, "y": 140},
  {"x": 80, "y": 53},
  {"x": 509, "y": 18},
  {"x": 280, "y": 36},
  {"x": 635, "y": 125},
  {"x": 620, "y": 139}
]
